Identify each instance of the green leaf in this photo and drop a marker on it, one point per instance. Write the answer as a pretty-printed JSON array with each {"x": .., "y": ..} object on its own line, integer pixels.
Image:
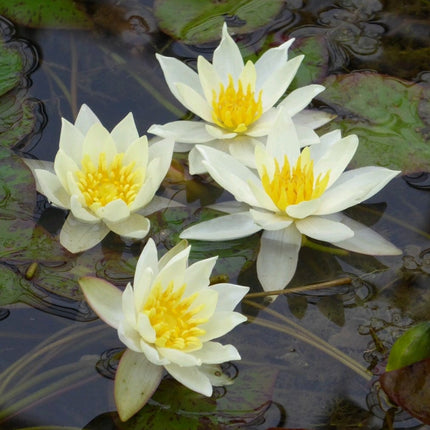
[
  {"x": 200, "y": 21},
  {"x": 390, "y": 116},
  {"x": 61, "y": 14},
  {"x": 411, "y": 347}
]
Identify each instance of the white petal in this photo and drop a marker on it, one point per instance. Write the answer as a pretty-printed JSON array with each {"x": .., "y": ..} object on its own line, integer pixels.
[
  {"x": 303, "y": 209},
  {"x": 135, "y": 226},
  {"x": 159, "y": 203},
  {"x": 136, "y": 380},
  {"x": 324, "y": 229},
  {"x": 264, "y": 124},
  {"x": 136, "y": 152},
  {"x": 230, "y": 207},
  {"x": 192, "y": 378},
  {"x": 219, "y": 133},
  {"x": 216, "y": 353},
  {"x": 227, "y": 59},
  {"x": 124, "y": 133},
  {"x": 283, "y": 140},
  {"x": 179, "y": 357},
  {"x": 176, "y": 71},
  {"x": 144, "y": 327},
  {"x": 229, "y": 295},
  {"x": 209, "y": 79},
  {"x": 114, "y": 212},
  {"x": 298, "y": 99},
  {"x": 49, "y": 185},
  {"x": 312, "y": 118},
  {"x": 353, "y": 187},
  {"x": 277, "y": 83},
  {"x": 71, "y": 140},
  {"x": 215, "y": 374},
  {"x": 148, "y": 259},
  {"x": 64, "y": 166},
  {"x": 277, "y": 258},
  {"x": 142, "y": 288},
  {"x": 174, "y": 270},
  {"x": 86, "y": 119},
  {"x": 194, "y": 102},
  {"x": 230, "y": 173},
  {"x": 336, "y": 158},
  {"x": 183, "y": 131},
  {"x": 270, "y": 220},
  {"x": 197, "y": 275},
  {"x": 131, "y": 338},
  {"x": 243, "y": 149},
  {"x": 81, "y": 213},
  {"x": 76, "y": 236},
  {"x": 224, "y": 322},
  {"x": 226, "y": 227},
  {"x": 98, "y": 140},
  {"x": 171, "y": 253},
  {"x": 129, "y": 307},
  {"x": 306, "y": 135},
  {"x": 152, "y": 354},
  {"x": 104, "y": 298},
  {"x": 163, "y": 151},
  {"x": 365, "y": 240},
  {"x": 271, "y": 60}
]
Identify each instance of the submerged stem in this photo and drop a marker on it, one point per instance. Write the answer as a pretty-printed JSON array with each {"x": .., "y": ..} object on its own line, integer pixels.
[
  {"x": 306, "y": 336},
  {"x": 318, "y": 286}
]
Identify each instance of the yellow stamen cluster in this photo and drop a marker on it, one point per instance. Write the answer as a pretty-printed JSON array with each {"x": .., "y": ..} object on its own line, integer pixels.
[
  {"x": 173, "y": 318},
  {"x": 105, "y": 182},
  {"x": 291, "y": 186},
  {"x": 235, "y": 109}
]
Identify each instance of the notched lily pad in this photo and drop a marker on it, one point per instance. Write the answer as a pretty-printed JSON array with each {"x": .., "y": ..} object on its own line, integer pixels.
[
  {"x": 389, "y": 115},
  {"x": 200, "y": 21},
  {"x": 60, "y": 14}
]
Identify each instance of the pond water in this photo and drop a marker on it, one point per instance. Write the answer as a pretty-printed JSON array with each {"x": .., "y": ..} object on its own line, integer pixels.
[{"x": 310, "y": 359}]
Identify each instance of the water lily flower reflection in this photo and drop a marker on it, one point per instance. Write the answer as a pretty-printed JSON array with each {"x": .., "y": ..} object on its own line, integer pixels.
[
  {"x": 293, "y": 193},
  {"x": 104, "y": 179},
  {"x": 236, "y": 100},
  {"x": 167, "y": 319}
]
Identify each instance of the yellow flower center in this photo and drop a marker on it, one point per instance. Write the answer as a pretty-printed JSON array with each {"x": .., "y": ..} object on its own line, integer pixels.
[
  {"x": 173, "y": 318},
  {"x": 104, "y": 183},
  {"x": 291, "y": 186},
  {"x": 235, "y": 109}
]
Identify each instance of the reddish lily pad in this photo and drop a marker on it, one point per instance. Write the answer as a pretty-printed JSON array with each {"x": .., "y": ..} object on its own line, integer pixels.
[
  {"x": 409, "y": 387},
  {"x": 390, "y": 116}
]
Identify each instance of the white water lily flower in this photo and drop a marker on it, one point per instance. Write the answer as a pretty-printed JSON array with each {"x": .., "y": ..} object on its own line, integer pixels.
[
  {"x": 294, "y": 193},
  {"x": 168, "y": 319},
  {"x": 236, "y": 100},
  {"x": 104, "y": 179}
]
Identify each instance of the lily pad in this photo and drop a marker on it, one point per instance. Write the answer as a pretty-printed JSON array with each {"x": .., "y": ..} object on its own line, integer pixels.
[
  {"x": 59, "y": 14},
  {"x": 411, "y": 347},
  {"x": 390, "y": 116},
  {"x": 314, "y": 66},
  {"x": 409, "y": 387},
  {"x": 200, "y": 21}
]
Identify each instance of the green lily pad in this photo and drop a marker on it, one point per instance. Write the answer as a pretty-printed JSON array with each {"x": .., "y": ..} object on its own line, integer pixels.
[
  {"x": 390, "y": 116},
  {"x": 200, "y": 21},
  {"x": 60, "y": 14},
  {"x": 411, "y": 347},
  {"x": 175, "y": 406},
  {"x": 314, "y": 66}
]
